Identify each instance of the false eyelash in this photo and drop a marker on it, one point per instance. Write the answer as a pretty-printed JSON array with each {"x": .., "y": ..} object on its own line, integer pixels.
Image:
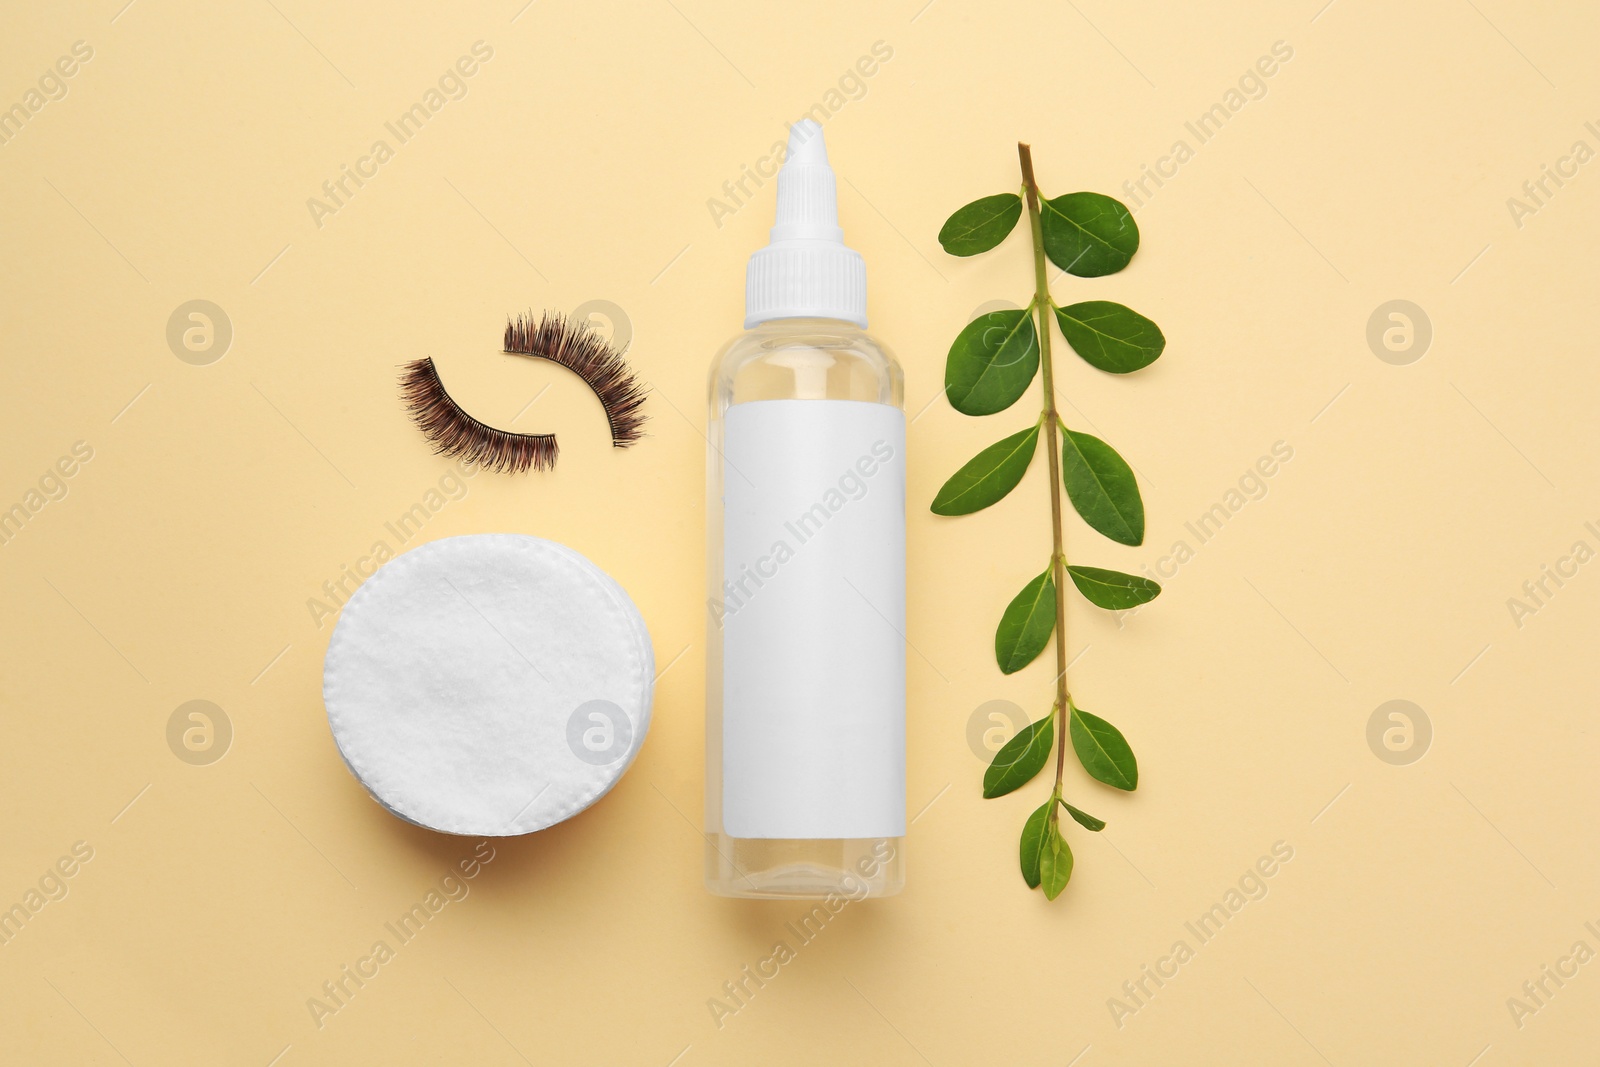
[
  {"x": 579, "y": 348},
  {"x": 455, "y": 433}
]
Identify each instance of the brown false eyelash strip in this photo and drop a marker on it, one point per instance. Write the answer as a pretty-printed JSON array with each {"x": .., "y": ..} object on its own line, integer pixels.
[
  {"x": 455, "y": 433},
  {"x": 582, "y": 350}
]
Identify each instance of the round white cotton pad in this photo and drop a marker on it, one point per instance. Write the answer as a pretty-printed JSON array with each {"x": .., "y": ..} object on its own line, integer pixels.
[{"x": 492, "y": 684}]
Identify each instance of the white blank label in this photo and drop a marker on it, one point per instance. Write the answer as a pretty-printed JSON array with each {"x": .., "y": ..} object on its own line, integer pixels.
[{"x": 814, "y": 602}]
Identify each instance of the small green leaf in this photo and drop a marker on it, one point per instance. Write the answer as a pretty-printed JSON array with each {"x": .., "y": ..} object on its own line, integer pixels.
[
  {"x": 1088, "y": 234},
  {"x": 1103, "y": 751},
  {"x": 1020, "y": 758},
  {"x": 1026, "y": 626},
  {"x": 1033, "y": 843},
  {"x": 981, "y": 225},
  {"x": 1055, "y": 861},
  {"x": 1110, "y": 336},
  {"x": 991, "y": 362},
  {"x": 989, "y": 475},
  {"x": 1113, "y": 590},
  {"x": 1102, "y": 487},
  {"x": 1085, "y": 820}
]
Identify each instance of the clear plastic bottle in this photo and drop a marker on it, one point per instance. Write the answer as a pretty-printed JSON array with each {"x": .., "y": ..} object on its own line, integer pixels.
[{"x": 805, "y": 686}]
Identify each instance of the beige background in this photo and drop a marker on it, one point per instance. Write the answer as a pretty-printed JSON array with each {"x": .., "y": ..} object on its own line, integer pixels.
[{"x": 578, "y": 167}]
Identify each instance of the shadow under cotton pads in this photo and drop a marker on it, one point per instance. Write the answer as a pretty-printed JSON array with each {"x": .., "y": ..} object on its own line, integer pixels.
[{"x": 492, "y": 684}]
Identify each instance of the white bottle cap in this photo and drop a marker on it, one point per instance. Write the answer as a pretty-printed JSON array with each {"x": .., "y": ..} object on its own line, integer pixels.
[{"x": 806, "y": 272}]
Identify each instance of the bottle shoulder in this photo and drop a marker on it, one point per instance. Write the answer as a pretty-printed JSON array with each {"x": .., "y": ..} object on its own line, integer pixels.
[{"x": 805, "y": 359}]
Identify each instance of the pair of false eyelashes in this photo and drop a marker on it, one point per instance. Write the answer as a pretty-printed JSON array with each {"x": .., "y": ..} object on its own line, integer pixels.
[{"x": 574, "y": 345}]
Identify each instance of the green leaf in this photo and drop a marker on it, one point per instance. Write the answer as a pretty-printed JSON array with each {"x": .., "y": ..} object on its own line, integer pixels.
[
  {"x": 1085, "y": 820},
  {"x": 989, "y": 475},
  {"x": 1102, "y": 487},
  {"x": 1113, "y": 590},
  {"x": 1055, "y": 861},
  {"x": 1110, "y": 336},
  {"x": 991, "y": 362},
  {"x": 1020, "y": 758},
  {"x": 1033, "y": 843},
  {"x": 1026, "y": 626},
  {"x": 981, "y": 225},
  {"x": 1103, "y": 751},
  {"x": 1088, "y": 234}
]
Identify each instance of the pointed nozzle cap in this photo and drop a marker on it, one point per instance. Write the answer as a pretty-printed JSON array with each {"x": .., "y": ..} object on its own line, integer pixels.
[
  {"x": 806, "y": 271},
  {"x": 807, "y": 205},
  {"x": 806, "y": 147}
]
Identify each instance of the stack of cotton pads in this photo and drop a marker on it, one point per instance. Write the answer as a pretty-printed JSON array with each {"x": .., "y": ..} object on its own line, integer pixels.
[{"x": 492, "y": 684}]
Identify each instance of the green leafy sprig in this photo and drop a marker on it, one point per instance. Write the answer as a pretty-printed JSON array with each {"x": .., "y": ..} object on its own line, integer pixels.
[{"x": 991, "y": 365}]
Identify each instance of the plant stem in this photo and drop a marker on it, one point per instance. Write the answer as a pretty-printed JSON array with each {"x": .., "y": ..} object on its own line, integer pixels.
[{"x": 1058, "y": 555}]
